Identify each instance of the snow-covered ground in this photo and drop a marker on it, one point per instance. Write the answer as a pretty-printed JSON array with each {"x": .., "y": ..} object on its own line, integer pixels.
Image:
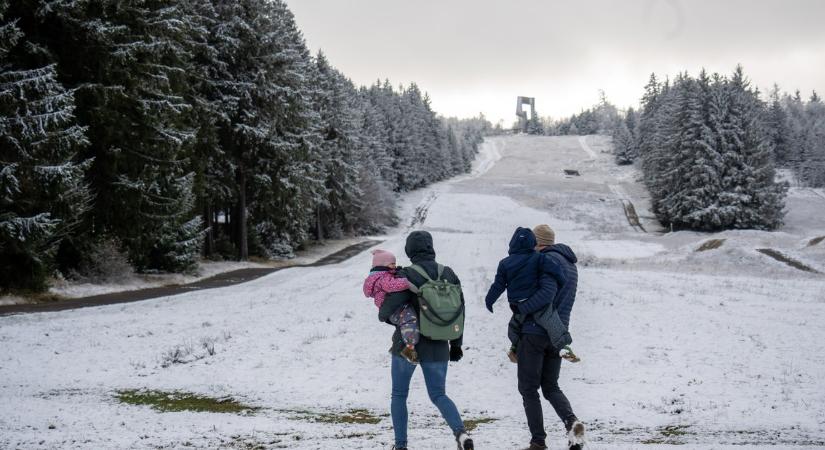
[{"x": 713, "y": 349}]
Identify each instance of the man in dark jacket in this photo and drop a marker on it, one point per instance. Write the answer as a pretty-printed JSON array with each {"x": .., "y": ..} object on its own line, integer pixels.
[
  {"x": 433, "y": 355},
  {"x": 520, "y": 274},
  {"x": 538, "y": 362}
]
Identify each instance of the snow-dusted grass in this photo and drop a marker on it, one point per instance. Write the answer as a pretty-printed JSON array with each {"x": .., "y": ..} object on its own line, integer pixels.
[{"x": 713, "y": 349}]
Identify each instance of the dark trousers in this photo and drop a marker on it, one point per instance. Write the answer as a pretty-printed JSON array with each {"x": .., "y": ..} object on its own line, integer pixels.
[{"x": 538, "y": 367}]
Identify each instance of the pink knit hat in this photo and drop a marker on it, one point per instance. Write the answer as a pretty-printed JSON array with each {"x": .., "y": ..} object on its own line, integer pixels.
[{"x": 382, "y": 258}]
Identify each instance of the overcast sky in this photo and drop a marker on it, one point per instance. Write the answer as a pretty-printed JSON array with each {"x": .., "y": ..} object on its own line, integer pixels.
[{"x": 478, "y": 55}]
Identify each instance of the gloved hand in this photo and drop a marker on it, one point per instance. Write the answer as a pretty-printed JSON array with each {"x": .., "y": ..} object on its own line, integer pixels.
[
  {"x": 489, "y": 305},
  {"x": 514, "y": 308},
  {"x": 456, "y": 353}
]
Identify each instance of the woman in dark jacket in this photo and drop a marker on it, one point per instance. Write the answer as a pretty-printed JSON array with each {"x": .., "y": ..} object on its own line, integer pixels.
[{"x": 433, "y": 355}]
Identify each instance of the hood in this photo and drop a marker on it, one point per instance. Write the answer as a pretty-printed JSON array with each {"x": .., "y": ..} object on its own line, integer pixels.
[
  {"x": 420, "y": 247},
  {"x": 523, "y": 241},
  {"x": 562, "y": 250}
]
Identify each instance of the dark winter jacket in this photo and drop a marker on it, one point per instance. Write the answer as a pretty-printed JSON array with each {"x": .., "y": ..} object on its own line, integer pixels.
[
  {"x": 566, "y": 296},
  {"x": 563, "y": 295},
  {"x": 519, "y": 272},
  {"x": 420, "y": 250}
]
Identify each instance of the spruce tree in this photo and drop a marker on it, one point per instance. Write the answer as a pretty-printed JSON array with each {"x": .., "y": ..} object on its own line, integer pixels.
[
  {"x": 811, "y": 170},
  {"x": 43, "y": 195},
  {"x": 778, "y": 129},
  {"x": 278, "y": 141},
  {"x": 129, "y": 62},
  {"x": 694, "y": 178},
  {"x": 336, "y": 101},
  {"x": 622, "y": 144},
  {"x": 749, "y": 189},
  {"x": 375, "y": 172},
  {"x": 534, "y": 125}
]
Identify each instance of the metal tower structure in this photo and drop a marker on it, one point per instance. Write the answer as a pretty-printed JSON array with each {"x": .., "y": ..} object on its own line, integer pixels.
[{"x": 522, "y": 114}]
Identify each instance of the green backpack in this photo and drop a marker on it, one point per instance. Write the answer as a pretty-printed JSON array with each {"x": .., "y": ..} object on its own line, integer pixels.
[{"x": 441, "y": 306}]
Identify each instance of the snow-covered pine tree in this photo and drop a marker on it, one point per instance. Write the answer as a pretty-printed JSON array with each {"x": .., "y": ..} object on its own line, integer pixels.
[
  {"x": 606, "y": 115},
  {"x": 647, "y": 138},
  {"x": 129, "y": 62},
  {"x": 695, "y": 164},
  {"x": 811, "y": 170},
  {"x": 797, "y": 129},
  {"x": 210, "y": 92},
  {"x": 277, "y": 130},
  {"x": 411, "y": 160},
  {"x": 43, "y": 195},
  {"x": 375, "y": 172},
  {"x": 631, "y": 121},
  {"x": 336, "y": 101},
  {"x": 749, "y": 190},
  {"x": 437, "y": 143},
  {"x": 656, "y": 142},
  {"x": 623, "y": 144},
  {"x": 388, "y": 103},
  {"x": 776, "y": 120},
  {"x": 534, "y": 125}
]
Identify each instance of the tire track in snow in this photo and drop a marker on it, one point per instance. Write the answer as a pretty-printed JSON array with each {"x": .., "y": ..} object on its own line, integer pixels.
[
  {"x": 586, "y": 147},
  {"x": 627, "y": 205},
  {"x": 488, "y": 156}
]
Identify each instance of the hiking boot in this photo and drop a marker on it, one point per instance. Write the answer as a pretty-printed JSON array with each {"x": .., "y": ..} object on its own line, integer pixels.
[
  {"x": 511, "y": 355},
  {"x": 575, "y": 436},
  {"x": 536, "y": 446},
  {"x": 464, "y": 442},
  {"x": 410, "y": 355},
  {"x": 398, "y": 448},
  {"x": 567, "y": 354}
]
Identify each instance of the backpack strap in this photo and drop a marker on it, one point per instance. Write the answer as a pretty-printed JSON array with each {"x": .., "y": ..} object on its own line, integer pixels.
[{"x": 420, "y": 270}]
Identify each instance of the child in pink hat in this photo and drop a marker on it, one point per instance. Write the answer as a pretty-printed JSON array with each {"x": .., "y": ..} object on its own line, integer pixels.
[{"x": 381, "y": 281}]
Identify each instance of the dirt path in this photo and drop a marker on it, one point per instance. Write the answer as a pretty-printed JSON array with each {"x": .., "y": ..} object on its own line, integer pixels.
[{"x": 217, "y": 281}]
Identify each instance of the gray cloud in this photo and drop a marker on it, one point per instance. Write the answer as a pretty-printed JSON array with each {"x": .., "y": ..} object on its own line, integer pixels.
[{"x": 478, "y": 55}]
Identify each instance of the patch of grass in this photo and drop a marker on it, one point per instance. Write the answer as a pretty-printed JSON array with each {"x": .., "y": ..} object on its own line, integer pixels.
[
  {"x": 366, "y": 435},
  {"x": 182, "y": 401},
  {"x": 472, "y": 424},
  {"x": 815, "y": 241},
  {"x": 669, "y": 435},
  {"x": 351, "y": 416},
  {"x": 710, "y": 244},
  {"x": 674, "y": 430}
]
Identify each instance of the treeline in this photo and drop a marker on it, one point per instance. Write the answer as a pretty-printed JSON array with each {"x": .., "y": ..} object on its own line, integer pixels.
[
  {"x": 177, "y": 129},
  {"x": 709, "y": 147},
  {"x": 706, "y": 153},
  {"x": 797, "y": 131},
  {"x": 794, "y": 127},
  {"x": 600, "y": 119}
]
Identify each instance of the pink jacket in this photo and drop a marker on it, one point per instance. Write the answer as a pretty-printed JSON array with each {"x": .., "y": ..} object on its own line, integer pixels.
[{"x": 379, "y": 284}]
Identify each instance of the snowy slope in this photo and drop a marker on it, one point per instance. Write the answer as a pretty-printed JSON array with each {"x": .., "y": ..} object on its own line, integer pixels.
[{"x": 714, "y": 349}]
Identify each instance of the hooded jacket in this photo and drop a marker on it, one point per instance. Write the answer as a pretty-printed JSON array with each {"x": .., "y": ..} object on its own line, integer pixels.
[
  {"x": 562, "y": 296},
  {"x": 520, "y": 272},
  {"x": 419, "y": 249},
  {"x": 566, "y": 296}
]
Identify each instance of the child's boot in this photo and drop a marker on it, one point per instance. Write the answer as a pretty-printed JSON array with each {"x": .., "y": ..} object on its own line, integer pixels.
[
  {"x": 511, "y": 355},
  {"x": 567, "y": 354},
  {"x": 410, "y": 354}
]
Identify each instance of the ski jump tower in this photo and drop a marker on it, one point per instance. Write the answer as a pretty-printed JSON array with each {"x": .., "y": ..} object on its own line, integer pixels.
[{"x": 522, "y": 114}]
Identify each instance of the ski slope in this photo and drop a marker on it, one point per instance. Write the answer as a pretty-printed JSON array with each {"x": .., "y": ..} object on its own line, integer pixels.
[{"x": 717, "y": 349}]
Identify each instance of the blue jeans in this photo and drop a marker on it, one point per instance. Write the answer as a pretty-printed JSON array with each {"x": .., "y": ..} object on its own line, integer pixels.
[{"x": 435, "y": 377}]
